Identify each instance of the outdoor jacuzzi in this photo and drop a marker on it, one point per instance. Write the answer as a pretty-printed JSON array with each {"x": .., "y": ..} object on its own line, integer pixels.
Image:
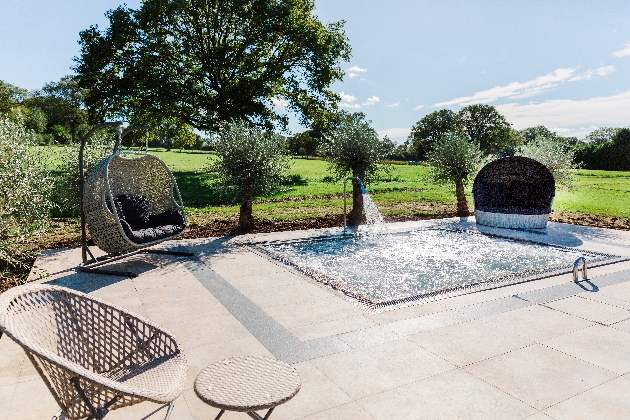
[{"x": 393, "y": 269}]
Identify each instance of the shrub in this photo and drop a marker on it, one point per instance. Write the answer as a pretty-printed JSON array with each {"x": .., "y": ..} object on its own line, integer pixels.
[
  {"x": 66, "y": 191},
  {"x": 353, "y": 148},
  {"x": 613, "y": 155},
  {"x": 250, "y": 160},
  {"x": 558, "y": 157},
  {"x": 25, "y": 186},
  {"x": 455, "y": 159}
]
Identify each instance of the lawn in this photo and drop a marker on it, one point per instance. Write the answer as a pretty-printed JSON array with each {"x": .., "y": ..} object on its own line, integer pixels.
[{"x": 410, "y": 191}]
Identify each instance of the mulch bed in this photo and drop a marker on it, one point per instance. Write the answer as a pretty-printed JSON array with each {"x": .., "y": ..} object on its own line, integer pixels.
[{"x": 67, "y": 234}]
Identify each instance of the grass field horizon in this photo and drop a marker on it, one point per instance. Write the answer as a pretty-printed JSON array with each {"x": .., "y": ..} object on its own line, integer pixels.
[{"x": 408, "y": 192}]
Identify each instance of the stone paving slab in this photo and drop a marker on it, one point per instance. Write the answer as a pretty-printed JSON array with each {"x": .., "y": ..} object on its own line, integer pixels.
[{"x": 544, "y": 349}]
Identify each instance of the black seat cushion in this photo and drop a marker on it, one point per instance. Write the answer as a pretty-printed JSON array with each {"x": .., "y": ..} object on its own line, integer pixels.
[
  {"x": 135, "y": 209},
  {"x": 143, "y": 236},
  {"x": 169, "y": 217},
  {"x": 142, "y": 227}
]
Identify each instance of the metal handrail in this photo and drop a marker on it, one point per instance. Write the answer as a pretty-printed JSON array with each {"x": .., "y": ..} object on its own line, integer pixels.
[{"x": 576, "y": 269}]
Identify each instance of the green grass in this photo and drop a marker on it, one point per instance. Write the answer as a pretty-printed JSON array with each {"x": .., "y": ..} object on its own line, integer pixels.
[
  {"x": 307, "y": 193},
  {"x": 605, "y": 193}
]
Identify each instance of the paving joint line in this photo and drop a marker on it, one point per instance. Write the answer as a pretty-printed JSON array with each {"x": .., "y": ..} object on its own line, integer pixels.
[{"x": 285, "y": 346}]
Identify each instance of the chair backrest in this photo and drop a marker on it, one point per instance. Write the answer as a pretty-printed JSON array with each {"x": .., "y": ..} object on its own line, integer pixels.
[
  {"x": 514, "y": 184},
  {"x": 143, "y": 175},
  {"x": 70, "y": 328},
  {"x": 75, "y": 340}
]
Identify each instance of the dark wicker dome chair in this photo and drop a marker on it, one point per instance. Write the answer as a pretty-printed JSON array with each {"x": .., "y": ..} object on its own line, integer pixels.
[
  {"x": 514, "y": 192},
  {"x": 129, "y": 201}
]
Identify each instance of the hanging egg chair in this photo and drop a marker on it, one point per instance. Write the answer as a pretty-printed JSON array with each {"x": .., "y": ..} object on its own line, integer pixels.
[{"x": 130, "y": 201}]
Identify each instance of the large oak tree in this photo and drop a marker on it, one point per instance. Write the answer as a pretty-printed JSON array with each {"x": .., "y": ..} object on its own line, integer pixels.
[{"x": 202, "y": 62}]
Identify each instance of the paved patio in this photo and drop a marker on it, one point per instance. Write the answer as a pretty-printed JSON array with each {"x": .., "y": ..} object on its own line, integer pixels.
[{"x": 545, "y": 349}]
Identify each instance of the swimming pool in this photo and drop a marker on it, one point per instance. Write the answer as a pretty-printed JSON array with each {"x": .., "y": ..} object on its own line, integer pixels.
[{"x": 394, "y": 269}]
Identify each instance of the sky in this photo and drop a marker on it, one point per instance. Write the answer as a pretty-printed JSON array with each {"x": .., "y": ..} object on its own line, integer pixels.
[{"x": 563, "y": 64}]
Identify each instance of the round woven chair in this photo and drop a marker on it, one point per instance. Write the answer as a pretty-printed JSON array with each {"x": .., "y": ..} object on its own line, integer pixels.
[
  {"x": 93, "y": 356},
  {"x": 131, "y": 201},
  {"x": 514, "y": 192}
]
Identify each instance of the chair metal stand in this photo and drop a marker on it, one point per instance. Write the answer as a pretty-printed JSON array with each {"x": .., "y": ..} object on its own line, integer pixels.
[
  {"x": 59, "y": 415},
  {"x": 89, "y": 265}
]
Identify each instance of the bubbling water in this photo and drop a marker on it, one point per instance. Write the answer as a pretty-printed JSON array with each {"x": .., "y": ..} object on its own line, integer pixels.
[
  {"x": 373, "y": 217},
  {"x": 400, "y": 265}
]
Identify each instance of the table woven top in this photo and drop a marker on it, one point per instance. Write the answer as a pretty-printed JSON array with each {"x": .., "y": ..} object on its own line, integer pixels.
[{"x": 247, "y": 383}]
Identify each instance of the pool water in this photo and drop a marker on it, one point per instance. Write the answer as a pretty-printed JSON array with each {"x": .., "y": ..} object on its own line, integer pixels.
[{"x": 394, "y": 268}]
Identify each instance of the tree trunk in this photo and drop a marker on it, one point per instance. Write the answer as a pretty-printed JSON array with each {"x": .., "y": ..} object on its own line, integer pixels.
[
  {"x": 246, "y": 220},
  {"x": 462, "y": 205},
  {"x": 355, "y": 216}
]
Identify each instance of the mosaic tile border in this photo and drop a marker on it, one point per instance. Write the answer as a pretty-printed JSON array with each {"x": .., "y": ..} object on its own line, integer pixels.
[{"x": 595, "y": 259}]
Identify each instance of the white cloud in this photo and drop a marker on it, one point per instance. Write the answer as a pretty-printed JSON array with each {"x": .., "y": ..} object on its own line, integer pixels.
[
  {"x": 601, "y": 111},
  {"x": 347, "y": 98},
  {"x": 399, "y": 134},
  {"x": 355, "y": 71},
  {"x": 347, "y": 101},
  {"x": 418, "y": 107},
  {"x": 279, "y": 104},
  {"x": 394, "y": 105},
  {"x": 371, "y": 101},
  {"x": 514, "y": 89},
  {"x": 588, "y": 74},
  {"x": 519, "y": 90},
  {"x": 624, "y": 52}
]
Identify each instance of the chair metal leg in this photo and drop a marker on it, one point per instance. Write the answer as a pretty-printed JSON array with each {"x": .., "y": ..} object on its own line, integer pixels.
[
  {"x": 59, "y": 416},
  {"x": 220, "y": 414},
  {"x": 170, "y": 410}
]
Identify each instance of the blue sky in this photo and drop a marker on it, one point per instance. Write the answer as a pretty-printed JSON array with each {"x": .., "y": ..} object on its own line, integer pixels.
[{"x": 563, "y": 64}]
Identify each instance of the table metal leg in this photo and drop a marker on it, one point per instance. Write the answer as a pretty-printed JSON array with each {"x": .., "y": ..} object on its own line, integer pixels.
[{"x": 256, "y": 416}]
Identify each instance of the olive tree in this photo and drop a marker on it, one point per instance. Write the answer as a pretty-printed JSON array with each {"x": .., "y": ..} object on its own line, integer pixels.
[
  {"x": 353, "y": 148},
  {"x": 251, "y": 160},
  {"x": 557, "y": 156},
  {"x": 66, "y": 190},
  {"x": 25, "y": 187},
  {"x": 455, "y": 159}
]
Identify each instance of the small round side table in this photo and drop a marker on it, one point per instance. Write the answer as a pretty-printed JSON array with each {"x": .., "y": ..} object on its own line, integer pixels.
[{"x": 247, "y": 384}]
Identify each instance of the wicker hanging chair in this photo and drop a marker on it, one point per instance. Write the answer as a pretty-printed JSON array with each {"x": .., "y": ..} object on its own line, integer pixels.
[{"x": 130, "y": 201}]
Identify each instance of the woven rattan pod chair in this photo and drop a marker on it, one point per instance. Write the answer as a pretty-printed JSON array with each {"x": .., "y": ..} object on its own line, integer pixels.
[
  {"x": 130, "y": 201},
  {"x": 93, "y": 356},
  {"x": 514, "y": 192}
]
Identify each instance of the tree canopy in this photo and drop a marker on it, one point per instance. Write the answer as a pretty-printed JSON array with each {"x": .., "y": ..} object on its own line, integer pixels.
[
  {"x": 62, "y": 103},
  {"x": 486, "y": 127},
  {"x": 483, "y": 125},
  {"x": 431, "y": 128},
  {"x": 203, "y": 62}
]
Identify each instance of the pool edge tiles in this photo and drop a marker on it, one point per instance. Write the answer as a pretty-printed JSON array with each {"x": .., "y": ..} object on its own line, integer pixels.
[{"x": 362, "y": 299}]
